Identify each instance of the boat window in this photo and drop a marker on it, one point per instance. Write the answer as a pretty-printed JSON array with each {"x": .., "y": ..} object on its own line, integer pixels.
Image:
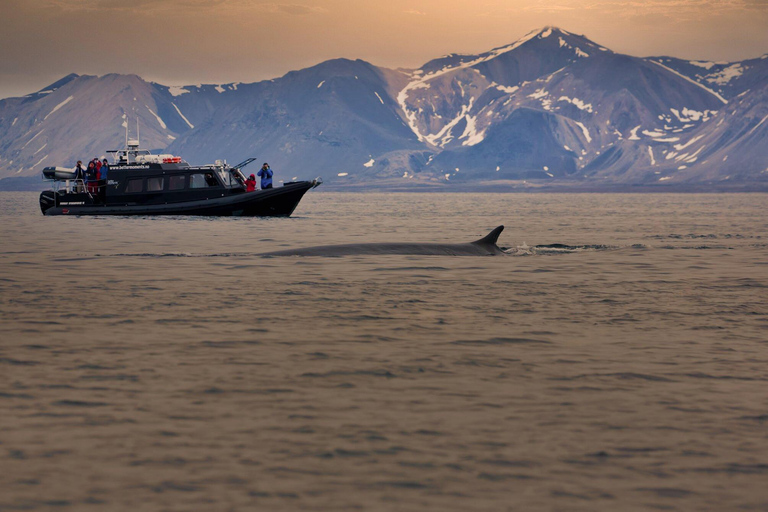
[
  {"x": 202, "y": 180},
  {"x": 134, "y": 186},
  {"x": 154, "y": 184},
  {"x": 177, "y": 182}
]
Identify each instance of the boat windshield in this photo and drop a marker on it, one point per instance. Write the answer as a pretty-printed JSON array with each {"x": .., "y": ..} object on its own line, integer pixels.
[{"x": 228, "y": 178}]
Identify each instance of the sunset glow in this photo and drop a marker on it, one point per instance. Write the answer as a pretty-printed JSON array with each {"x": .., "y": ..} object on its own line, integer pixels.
[{"x": 214, "y": 41}]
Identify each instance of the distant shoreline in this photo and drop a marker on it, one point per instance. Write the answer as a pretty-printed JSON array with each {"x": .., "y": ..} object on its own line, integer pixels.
[{"x": 35, "y": 184}]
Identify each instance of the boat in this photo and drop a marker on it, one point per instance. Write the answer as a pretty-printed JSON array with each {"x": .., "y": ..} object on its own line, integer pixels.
[{"x": 140, "y": 183}]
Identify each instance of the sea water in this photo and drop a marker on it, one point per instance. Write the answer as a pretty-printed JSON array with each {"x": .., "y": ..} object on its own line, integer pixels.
[{"x": 161, "y": 364}]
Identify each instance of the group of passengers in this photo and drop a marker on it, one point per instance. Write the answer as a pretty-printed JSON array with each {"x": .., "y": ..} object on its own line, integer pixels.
[
  {"x": 266, "y": 179},
  {"x": 93, "y": 178}
]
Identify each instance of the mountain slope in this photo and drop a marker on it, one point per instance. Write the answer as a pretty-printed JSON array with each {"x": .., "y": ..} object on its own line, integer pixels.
[
  {"x": 334, "y": 118},
  {"x": 80, "y": 117},
  {"x": 726, "y": 78}
]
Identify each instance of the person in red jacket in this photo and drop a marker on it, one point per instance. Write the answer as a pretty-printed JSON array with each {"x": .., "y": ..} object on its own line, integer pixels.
[{"x": 250, "y": 183}]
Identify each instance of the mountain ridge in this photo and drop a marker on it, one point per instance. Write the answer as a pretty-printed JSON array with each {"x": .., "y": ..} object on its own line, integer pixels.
[{"x": 552, "y": 107}]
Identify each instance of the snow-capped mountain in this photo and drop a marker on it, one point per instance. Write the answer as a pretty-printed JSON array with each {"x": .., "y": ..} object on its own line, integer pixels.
[
  {"x": 552, "y": 106},
  {"x": 449, "y": 101},
  {"x": 567, "y": 108}
]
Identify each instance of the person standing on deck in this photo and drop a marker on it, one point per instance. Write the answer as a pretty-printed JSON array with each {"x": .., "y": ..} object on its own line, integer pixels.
[
  {"x": 90, "y": 178},
  {"x": 103, "y": 171},
  {"x": 79, "y": 177},
  {"x": 250, "y": 183},
  {"x": 266, "y": 176}
]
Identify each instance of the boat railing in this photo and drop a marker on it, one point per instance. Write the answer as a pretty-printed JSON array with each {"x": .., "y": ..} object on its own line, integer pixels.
[{"x": 94, "y": 189}]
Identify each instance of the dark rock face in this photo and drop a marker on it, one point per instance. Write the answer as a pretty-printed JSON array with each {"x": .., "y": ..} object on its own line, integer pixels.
[{"x": 553, "y": 106}]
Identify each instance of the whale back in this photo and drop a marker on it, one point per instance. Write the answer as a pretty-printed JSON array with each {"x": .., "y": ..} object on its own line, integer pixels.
[{"x": 486, "y": 246}]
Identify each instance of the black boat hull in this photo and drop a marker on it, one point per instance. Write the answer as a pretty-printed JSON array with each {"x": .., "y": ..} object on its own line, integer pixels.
[{"x": 275, "y": 202}]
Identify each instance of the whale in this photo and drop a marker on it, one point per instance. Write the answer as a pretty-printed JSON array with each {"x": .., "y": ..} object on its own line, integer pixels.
[{"x": 485, "y": 246}]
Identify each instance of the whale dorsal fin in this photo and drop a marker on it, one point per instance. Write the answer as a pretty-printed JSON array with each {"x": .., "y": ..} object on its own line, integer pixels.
[{"x": 490, "y": 238}]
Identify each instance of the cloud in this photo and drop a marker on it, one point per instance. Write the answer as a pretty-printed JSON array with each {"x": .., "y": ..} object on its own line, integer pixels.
[
  {"x": 154, "y": 6},
  {"x": 639, "y": 8},
  {"x": 415, "y": 12},
  {"x": 292, "y": 9}
]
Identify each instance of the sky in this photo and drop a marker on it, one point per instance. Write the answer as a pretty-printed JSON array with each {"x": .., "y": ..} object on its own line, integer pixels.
[{"x": 179, "y": 42}]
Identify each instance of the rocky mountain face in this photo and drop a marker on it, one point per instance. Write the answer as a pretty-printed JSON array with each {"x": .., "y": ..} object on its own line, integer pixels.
[{"x": 552, "y": 107}]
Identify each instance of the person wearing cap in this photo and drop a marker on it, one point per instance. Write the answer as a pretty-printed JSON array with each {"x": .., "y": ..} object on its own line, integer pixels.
[
  {"x": 266, "y": 176},
  {"x": 250, "y": 183}
]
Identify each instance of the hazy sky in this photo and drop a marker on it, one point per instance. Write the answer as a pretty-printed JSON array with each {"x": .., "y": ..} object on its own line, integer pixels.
[{"x": 179, "y": 42}]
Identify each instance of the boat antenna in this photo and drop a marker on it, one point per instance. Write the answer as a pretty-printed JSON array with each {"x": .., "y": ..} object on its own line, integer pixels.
[
  {"x": 126, "y": 135},
  {"x": 138, "y": 138}
]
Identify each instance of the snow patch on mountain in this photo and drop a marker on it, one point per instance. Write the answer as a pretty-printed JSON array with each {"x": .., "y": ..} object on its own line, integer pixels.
[
  {"x": 470, "y": 132},
  {"x": 580, "y": 53},
  {"x": 377, "y": 95},
  {"x": 680, "y": 147},
  {"x": 33, "y": 138},
  {"x": 177, "y": 90},
  {"x": 543, "y": 97},
  {"x": 576, "y": 102},
  {"x": 40, "y": 161},
  {"x": 690, "y": 115},
  {"x": 191, "y": 126},
  {"x": 57, "y": 107},
  {"x": 586, "y": 132},
  {"x": 726, "y": 75},
  {"x": 507, "y": 89},
  {"x": 757, "y": 125},
  {"x": 444, "y": 136},
  {"x": 159, "y": 120},
  {"x": 701, "y": 64}
]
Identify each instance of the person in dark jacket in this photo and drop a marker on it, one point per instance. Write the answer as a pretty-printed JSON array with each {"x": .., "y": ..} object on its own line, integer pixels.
[
  {"x": 266, "y": 176},
  {"x": 102, "y": 176},
  {"x": 79, "y": 177},
  {"x": 90, "y": 178},
  {"x": 250, "y": 183}
]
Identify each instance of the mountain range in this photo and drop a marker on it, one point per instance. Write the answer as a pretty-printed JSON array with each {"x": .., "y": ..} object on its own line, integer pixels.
[{"x": 552, "y": 108}]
